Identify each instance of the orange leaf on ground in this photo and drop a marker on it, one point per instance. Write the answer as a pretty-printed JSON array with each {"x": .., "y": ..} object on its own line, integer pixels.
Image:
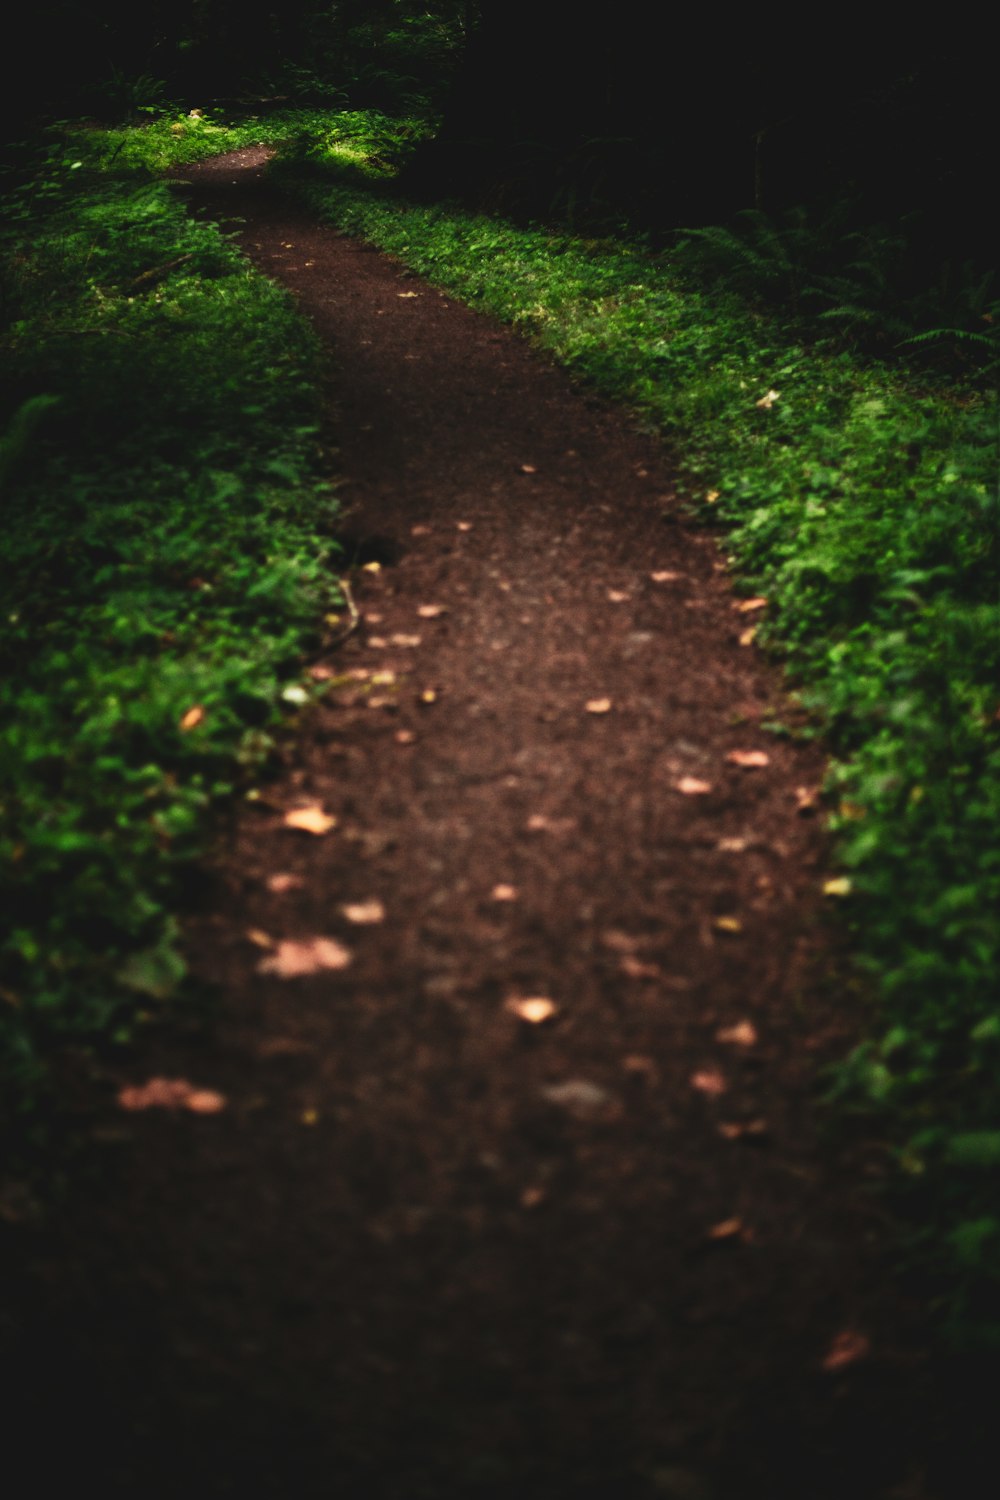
[
  {"x": 405, "y": 737},
  {"x": 292, "y": 959},
  {"x": 599, "y": 706},
  {"x": 364, "y": 913},
  {"x": 847, "y": 1348},
  {"x": 463, "y": 525},
  {"x": 709, "y": 1081},
  {"x": 429, "y": 695},
  {"x": 728, "y": 1229},
  {"x": 170, "y": 1093},
  {"x": 504, "y": 893},
  {"x": 283, "y": 882},
  {"x": 742, "y": 1034},
  {"x": 310, "y": 819},
  {"x": 691, "y": 786},
  {"x": 748, "y": 758},
  {"x": 531, "y": 1008},
  {"x": 192, "y": 718}
]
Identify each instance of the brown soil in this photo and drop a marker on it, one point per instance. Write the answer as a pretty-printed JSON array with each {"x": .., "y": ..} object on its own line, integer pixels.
[{"x": 431, "y": 1250}]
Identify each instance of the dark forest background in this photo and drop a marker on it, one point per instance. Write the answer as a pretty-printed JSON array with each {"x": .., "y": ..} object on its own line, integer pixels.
[{"x": 661, "y": 116}]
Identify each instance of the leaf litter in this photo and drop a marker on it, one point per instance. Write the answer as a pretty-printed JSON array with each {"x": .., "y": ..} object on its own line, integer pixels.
[
  {"x": 170, "y": 1093},
  {"x": 295, "y": 959}
]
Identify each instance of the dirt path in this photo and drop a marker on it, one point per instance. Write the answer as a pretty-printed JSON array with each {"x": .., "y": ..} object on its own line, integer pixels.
[{"x": 432, "y": 1250}]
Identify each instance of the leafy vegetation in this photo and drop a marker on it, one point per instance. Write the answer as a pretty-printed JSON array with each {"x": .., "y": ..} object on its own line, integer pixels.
[
  {"x": 863, "y": 501},
  {"x": 167, "y": 559}
]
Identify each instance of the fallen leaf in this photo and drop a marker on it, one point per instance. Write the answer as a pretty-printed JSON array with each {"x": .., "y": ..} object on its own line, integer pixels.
[
  {"x": 847, "y": 1347},
  {"x": 382, "y": 679},
  {"x": 666, "y": 575},
  {"x": 377, "y": 642},
  {"x": 310, "y": 819},
  {"x": 840, "y": 885},
  {"x": 748, "y": 1130},
  {"x": 364, "y": 913},
  {"x": 293, "y": 959},
  {"x": 712, "y": 496},
  {"x": 732, "y": 846},
  {"x": 371, "y": 567},
  {"x": 749, "y": 759},
  {"x": 727, "y": 924},
  {"x": 402, "y": 639},
  {"x": 192, "y": 718},
  {"x": 598, "y": 706},
  {"x": 634, "y": 968},
  {"x": 319, "y": 672},
  {"x": 331, "y": 619},
  {"x": 205, "y": 1102},
  {"x": 431, "y": 611},
  {"x": 709, "y": 1081},
  {"x": 429, "y": 695},
  {"x": 617, "y": 596},
  {"x": 259, "y": 938},
  {"x": 741, "y": 1034},
  {"x": 581, "y": 1097},
  {"x": 405, "y": 737},
  {"x": 531, "y": 1008},
  {"x": 748, "y": 606},
  {"x": 692, "y": 787},
  {"x": 372, "y": 617},
  {"x": 407, "y": 294},
  {"x": 806, "y": 799},
  {"x": 504, "y": 893},
  {"x": 420, "y": 530},
  {"x": 766, "y": 402},
  {"x": 748, "y": 636},
  {"x": 728, "y": 1229},
  {"x": 171, "y": 1093},
  {"x": 463, "y": 525},
  {"x": 528, "y": 469}
]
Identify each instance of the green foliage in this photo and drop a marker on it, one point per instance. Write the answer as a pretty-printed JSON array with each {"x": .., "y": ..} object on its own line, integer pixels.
[
  {"x": 865, "y": 505},
  {"x": 167, "y": 547}
]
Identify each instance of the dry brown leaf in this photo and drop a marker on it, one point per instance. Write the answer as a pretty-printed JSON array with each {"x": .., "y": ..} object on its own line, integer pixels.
[
  {"x": 733, "y": 846},
  {"x": 282, "y": 881},
  {"x": 741, "y": 1034},
  {"x": 728, "y": 1229},
  {"x": 666, "y": 575},
  {"x": 634, "y": 968},
  {"x": 310, "y": 819},
  {"x": 402, "y": 639},
  {"x": 170, "y": 1093},
  {"x": 846, "y": 1349},
  {"x": 691, "y": 786},
  {"x": 407, "y": 294},
  {"x": 709, "y": 1081},
  {"x": 528, "y": 469},
  {"x": 749, "y": 759},
  {"x": 504, "y": 893},
  {"x": 598, "y": 706},
  {"x": 431, "y": 611},
  {"x": 371, "y": 567},
  {"x": 420, "y": 529},
  {"x": 748, "y": 606},
  {"x": 192, "y": 718},
  {"x": 806, "y": 800},
  {"x": 377, "y": 642},
  {"x": 748, "y": 636},
  {"x": 617, "y": 596},
  {"x": 748, "y": 1130},
  {"x": 405, "y": 737},
  {"x": 463, "y": 525},
  {"x": 364, "y": 913},
  {"x": 531, "y": 1008},
  {"x": 259, "y": 938},
  {"x": 293, "y": 959},
  {"x": 727, "y": 924}
]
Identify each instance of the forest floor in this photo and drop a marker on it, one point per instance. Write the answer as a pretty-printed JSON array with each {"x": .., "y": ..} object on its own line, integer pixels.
[{"x": 519, "y": 1185}]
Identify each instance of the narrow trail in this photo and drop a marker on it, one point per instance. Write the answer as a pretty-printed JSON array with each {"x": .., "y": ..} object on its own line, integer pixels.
[{"x": 431, "y": 1250}]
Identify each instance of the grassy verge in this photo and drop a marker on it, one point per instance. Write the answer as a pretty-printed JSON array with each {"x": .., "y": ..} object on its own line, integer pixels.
[
  {"x": 167, "y": 550},
  {"x": 864, "y": 503}
]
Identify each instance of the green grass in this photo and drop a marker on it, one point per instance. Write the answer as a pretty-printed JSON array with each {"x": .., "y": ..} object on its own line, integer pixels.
[
  {"x": 167, "y": 561},
  {"x": 863, "y": 501}
]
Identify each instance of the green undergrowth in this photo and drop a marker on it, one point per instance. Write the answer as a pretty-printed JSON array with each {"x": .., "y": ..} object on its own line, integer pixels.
[
  {"x": 167, "y": 560},
  {"x": 863, "y": 502}
]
